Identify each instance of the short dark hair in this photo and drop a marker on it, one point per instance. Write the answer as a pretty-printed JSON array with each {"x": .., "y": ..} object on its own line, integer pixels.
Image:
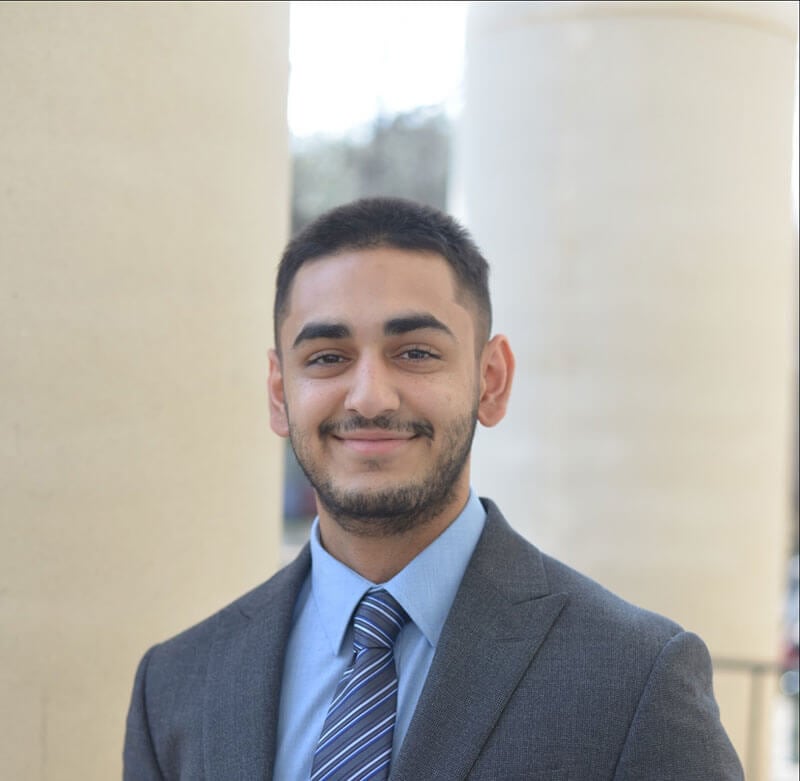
[{"x": 388, "y": 222}]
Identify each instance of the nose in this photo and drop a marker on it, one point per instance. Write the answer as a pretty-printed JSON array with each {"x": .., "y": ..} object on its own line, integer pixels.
[{"x": 372, "y": 391}]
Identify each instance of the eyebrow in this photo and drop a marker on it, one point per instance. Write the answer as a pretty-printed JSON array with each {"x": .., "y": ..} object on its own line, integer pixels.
[
  {"x": 397, "y": 326},
  {"x": 417, "y": 322},
  {"x": 321, "y": 331}
]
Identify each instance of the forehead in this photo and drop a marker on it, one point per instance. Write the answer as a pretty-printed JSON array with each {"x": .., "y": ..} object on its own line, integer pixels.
[{"x": 371, "y": 285}]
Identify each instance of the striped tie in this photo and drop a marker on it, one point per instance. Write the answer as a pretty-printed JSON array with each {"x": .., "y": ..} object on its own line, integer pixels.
[{"x": 356, "y": 740}]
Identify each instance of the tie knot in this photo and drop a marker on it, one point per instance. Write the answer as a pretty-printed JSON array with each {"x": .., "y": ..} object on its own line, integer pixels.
[{"x": 378, "y": 620}]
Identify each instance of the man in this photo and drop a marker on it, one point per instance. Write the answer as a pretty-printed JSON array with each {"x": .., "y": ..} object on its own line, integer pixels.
[{"x": 417, "y": 636}]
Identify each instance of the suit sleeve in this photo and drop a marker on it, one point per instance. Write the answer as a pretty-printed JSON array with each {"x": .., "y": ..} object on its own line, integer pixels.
[
  {"x": 676, "y": 733},
  {"x": 139, "y": 756}
]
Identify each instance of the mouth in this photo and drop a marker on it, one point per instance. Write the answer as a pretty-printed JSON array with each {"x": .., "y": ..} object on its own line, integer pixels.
[
  {"x": 380, "y": 427},
  {"x": 375, "y": 442}
]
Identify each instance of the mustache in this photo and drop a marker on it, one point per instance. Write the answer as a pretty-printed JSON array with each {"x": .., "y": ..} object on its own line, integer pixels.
[{"x": 420, "y": 428}]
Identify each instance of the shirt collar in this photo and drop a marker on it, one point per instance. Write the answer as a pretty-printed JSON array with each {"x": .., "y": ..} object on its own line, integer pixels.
[{"x": 425, "y": 587}]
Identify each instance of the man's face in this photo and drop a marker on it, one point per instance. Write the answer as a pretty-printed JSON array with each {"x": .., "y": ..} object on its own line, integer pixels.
[{"x": 378, "y": 386}]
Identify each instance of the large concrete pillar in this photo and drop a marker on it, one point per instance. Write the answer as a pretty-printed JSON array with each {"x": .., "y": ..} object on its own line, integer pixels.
[
  {"x": 144, "y": 201},
  {"x": 626, "y": 168}
]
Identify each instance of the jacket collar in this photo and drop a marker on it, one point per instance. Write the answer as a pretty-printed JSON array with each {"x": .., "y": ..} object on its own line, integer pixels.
[
  {"x": 502, "y": 614},
  {"x": 244, "y": 678}
]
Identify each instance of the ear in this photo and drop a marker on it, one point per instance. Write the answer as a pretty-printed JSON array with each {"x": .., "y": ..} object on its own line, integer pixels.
[
  {"x": 497, "y": 372},
  {"x": 278, "y": 419}
]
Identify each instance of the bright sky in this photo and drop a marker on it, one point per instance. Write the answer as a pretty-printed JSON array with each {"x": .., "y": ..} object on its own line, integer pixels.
[{"x": 351, "y": 60}]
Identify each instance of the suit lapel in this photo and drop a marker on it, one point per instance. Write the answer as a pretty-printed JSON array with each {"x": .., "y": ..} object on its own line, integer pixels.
[
  {"x": 501, "y": 615},
  {"x": 244, "y": 679}
]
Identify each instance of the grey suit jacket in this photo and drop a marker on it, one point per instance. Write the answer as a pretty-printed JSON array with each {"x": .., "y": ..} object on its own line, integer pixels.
[{"x": 540, "y": 674}]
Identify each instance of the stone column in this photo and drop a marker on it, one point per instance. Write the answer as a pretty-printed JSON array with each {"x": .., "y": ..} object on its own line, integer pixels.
[
  {"x": 626, "y": 168},
  {"x": 144, "y": 202}
]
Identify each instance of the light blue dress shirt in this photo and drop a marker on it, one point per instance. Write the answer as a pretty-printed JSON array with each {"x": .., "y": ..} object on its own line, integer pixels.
[{"x": 320, "y": 645}]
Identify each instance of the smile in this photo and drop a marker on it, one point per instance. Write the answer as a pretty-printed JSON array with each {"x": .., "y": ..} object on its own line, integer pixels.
[{"x": 372, "y": 443}]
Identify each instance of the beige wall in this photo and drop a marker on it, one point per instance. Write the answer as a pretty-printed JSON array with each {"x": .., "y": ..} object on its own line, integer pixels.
[
  {"x": 625, "y": 166},
  {"x": 143, "y": 204}
]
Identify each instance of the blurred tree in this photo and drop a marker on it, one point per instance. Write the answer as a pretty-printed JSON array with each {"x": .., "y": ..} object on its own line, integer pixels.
[{"x": 405, "y": 155}]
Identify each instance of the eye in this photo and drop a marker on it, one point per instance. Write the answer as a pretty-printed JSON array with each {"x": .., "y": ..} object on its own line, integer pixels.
[
  {"x": 418, "y": 354},
  {"x": 325, "y": 359}
]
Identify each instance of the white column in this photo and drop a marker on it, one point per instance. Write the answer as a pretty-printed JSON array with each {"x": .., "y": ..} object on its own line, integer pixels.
[
  {"x": 143, "y": 205},
  {"x": 626, "y": 168}
]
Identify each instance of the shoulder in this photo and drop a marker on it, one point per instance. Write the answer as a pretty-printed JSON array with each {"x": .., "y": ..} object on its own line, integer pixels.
[
  {"x": 606, "y": 667},
  {"x": 591, "y": 610},
  {"x": 203, "y": 670},
  {"x": 595, "y": 606},
  {"x": 275, "y": 597}
]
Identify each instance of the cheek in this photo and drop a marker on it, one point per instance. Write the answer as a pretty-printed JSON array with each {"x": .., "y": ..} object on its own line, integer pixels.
[
  {"x": 460, "y": 390},
  {"x": 309, "y": 402}
]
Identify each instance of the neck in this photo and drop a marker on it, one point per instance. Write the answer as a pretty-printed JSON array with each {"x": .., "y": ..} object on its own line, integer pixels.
[{"x": 378, "y": 558}]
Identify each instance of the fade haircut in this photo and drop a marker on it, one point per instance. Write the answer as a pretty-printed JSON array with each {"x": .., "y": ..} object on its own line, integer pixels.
[{"x": 389, "y": 222}]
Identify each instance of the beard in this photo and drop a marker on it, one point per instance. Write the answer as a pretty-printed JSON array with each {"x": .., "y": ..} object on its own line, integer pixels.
[{"x": 395, "y": 510}]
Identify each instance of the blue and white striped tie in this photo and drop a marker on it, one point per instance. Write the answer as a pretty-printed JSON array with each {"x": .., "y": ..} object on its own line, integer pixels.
[{"x": 356, "y": 740}]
